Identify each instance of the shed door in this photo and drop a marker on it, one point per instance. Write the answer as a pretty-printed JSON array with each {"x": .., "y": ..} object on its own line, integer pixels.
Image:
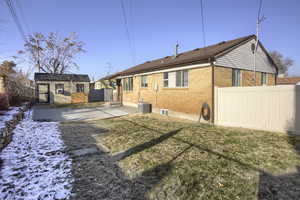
[{"x": 43, "y": 93}]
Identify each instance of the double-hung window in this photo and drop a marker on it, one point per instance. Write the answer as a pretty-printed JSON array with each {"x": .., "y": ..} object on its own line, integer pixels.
[
  {"x": 182, "y": 78},
  {"x": 264, "y": 78},
  {"x": 166, "y": 79},
  {"x": 176, "y": 79},
  {"x": 236, "y": 77},
  {"x": 144, "y": 82},
  {"x": 128, "y": 84}
]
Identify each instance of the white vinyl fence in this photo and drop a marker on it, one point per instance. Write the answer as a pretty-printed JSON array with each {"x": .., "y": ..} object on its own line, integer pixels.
[{"x": 271, "y": 108}]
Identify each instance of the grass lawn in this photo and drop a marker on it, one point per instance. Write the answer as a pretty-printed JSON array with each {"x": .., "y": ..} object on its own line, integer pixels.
[
  {"x": 189, "y": 160},
  {"x": 77, "y": 105}
]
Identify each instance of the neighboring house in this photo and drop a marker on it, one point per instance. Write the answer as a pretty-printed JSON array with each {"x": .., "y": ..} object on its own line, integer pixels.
[
  {"x": 288, "y": 80},
  {"x": 62, "y": 88},
  {"x": 184, "y": 83},
  {"x": 105, "y": 82},
  {"x": 104, "y": 90}
]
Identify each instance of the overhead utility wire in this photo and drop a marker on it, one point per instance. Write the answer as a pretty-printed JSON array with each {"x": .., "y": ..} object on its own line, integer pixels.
[
  {"x": 127, "y": 31},
  {"x": 202, "y": 19},
  {"x": 15, "y": 18},
  {"x": 23, "y": 16}
]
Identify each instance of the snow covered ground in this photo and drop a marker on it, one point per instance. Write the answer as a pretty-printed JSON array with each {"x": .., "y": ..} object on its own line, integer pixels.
[
  {"x": 8, "y": 116},
  {"x": 34, "y": 165}
]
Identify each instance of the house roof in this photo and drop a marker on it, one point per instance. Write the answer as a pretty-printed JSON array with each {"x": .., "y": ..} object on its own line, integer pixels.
[
  {"x": 288, "y": 80},
  {"x": 199, "y": 55},
  {"x": 61, "y": 77},
  {"x": 110, "y": 76}
]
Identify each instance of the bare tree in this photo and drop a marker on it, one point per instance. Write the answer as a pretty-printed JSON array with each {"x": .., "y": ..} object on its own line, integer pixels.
[
  {"x": 282, "y": 63},
  {"x": 52, "y": 54}
]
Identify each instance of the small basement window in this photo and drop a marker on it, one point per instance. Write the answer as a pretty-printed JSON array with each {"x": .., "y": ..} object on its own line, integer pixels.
[
  {"x": 59, "y": 88},
  {"x": 79, "y": 87}
]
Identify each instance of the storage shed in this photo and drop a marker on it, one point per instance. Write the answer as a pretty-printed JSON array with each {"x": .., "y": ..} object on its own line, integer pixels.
[{"x": 62, "y": 88}]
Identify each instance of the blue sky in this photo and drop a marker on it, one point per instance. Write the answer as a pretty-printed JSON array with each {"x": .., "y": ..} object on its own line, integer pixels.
[{"x": 155, "y": 26}]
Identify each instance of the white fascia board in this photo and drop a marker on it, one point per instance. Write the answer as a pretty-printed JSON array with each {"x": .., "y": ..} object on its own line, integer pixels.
[{"x": 171, "y": 70}]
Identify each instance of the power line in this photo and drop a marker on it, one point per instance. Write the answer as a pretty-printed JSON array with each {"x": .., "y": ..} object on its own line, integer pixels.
[
  {"x": 202, "y": 19},
  {"x": 258, "y": 22},
  {"x": 23, "y": 16},
  {"x": 15, "y": 18},
  {"x": 127, "y": 31}
]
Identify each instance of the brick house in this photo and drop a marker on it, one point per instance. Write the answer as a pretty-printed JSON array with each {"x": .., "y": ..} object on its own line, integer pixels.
[
  {"x": 61, "y": 88},
  {"x": 184, "y": 83}
]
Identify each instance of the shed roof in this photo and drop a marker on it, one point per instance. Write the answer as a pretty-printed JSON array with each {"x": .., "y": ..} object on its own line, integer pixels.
[{"x": 61, "y": 77}]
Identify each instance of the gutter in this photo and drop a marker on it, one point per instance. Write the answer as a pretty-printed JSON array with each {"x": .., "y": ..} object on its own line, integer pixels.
[{"x": 168, "y": 70}]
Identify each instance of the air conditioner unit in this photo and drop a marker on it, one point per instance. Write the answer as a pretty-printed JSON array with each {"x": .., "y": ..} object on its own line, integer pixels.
[
  {"x": 164, "y": 111},
  {"x": 144, "y": 107}
]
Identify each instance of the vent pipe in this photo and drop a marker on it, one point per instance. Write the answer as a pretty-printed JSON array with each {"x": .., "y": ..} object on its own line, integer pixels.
[{"x": 176, "y": 50}]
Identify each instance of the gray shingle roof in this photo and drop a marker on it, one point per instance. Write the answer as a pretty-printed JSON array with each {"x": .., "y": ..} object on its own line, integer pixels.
[{"x": 61, "y": 77}]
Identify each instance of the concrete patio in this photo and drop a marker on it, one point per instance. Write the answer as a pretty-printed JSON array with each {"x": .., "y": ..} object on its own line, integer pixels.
[{"x": 47, "y": 113}]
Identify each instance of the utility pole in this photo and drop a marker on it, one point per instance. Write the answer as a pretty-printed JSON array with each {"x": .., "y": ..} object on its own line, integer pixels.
[
  {"x": 38, "y": 53},
  {"x": 258, "y": 22}
]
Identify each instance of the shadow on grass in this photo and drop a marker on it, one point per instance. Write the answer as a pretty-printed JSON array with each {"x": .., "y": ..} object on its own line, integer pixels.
[
  {"x": 146, "y": 145},
  {"x": 97, "y": 175},
  {"x": 270, "y": 187},
  {"x": 285, "y": 186}
]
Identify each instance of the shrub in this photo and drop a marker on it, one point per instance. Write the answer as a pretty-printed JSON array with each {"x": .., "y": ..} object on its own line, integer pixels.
[{"x": 4, "y": 101}]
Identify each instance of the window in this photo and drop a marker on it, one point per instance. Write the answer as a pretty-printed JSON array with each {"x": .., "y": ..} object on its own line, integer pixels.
[
  {"x": 236, "y": 77},
  {"x": 59, "y": 88},
  {"x": 176, "y": 79},
  {"x": 264, "y": 78},
  {"x": 79, "y": 87},
  {"x": 166, "y": 79},
  {"x": 128, "y": 84},
  {"x": 182, "y": 78},
  {"x": 144, "y": 81}
]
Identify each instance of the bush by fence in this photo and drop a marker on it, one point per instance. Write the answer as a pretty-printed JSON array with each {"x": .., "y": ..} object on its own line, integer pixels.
[
  {"x": 4, "y": 101},
  {"x": 18, "y": 89}
]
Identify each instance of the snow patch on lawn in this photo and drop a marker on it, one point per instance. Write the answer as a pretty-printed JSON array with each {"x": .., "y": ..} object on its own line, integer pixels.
[{"x": 34, "y": 163}]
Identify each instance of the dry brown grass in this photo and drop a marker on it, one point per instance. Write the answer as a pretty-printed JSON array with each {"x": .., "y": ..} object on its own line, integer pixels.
[{"x": 206, "y": 162}]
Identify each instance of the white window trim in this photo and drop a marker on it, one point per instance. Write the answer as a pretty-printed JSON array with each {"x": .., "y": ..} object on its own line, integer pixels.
[
  {"x": 176, "y": 87},
  {"x": 142, "y": 81},
  {"x": 165, "y": 79},
  {"x": 241, "y": 78},
  {"x": 266, "y": 78}
]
